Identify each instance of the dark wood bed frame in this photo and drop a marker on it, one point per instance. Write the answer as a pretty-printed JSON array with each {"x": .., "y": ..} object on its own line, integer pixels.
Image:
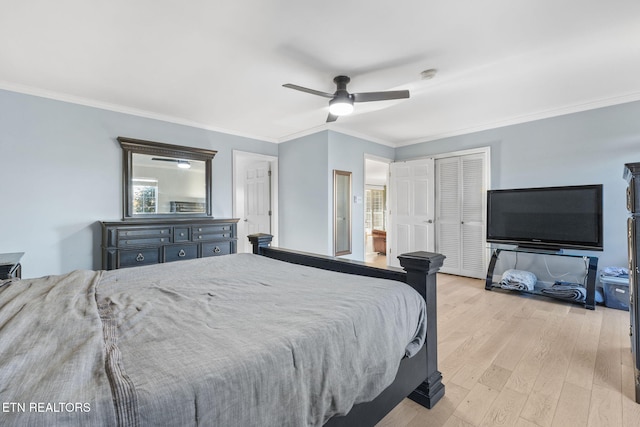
[{"x": 418, "y": 377}]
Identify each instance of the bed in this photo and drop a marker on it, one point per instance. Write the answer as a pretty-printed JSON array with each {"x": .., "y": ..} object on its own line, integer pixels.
[{"x": 273, "y": 338}]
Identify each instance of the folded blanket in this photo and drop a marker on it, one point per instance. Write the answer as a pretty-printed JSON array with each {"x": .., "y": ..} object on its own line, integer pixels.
[
  {"x": 569, "y": 291},
  {"x": 518, "y": 280}
]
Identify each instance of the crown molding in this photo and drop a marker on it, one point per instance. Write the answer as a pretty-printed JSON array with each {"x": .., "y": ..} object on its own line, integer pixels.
[
  {"x": 546, "y": 114},
  {"x": 549, "y": 113},
  {"x": 57, "y": 96}
]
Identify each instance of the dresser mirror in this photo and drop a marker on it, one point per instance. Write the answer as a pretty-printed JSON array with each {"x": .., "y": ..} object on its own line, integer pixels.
[{"x": 164, "y": 180}]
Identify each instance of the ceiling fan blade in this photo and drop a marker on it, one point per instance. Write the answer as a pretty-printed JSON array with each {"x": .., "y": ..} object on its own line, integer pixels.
[
  {"x": 380, "y": 96},
  {"x": 164, "y": 160},
  {"x": 311, "y": 91},
  {"x": 331, "y": 118}
]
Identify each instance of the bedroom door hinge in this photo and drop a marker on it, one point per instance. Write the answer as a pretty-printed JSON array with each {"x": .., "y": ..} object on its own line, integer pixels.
[{"x": 269, "y": 213}]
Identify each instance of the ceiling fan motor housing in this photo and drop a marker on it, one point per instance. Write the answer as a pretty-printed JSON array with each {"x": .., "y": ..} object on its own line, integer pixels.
[
  {"x": 341, "y": 101},
  {"x": 341, "y": 82}
]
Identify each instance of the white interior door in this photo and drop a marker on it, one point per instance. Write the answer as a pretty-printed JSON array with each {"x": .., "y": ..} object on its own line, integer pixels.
[
  {"x": 411, "y": 213},
  {"x": 257, "y": 198}
]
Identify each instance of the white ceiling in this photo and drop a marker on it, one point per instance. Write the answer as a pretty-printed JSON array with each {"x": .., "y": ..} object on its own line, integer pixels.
[{"x": 221, "y": 65}]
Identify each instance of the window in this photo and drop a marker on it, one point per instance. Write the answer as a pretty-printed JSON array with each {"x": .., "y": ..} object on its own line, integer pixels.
[
  {"x": 145, "y": 195},
  {"x": 375, "y": 208}
]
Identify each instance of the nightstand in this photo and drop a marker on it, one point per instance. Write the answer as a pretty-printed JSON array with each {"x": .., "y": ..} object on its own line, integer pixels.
[{"x": 10, "y": 265}]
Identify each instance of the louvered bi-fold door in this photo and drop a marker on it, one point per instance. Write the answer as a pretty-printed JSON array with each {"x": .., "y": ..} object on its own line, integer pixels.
[
  {"x": 448, "y": 201},
  {"x": 460, "y": 214}
]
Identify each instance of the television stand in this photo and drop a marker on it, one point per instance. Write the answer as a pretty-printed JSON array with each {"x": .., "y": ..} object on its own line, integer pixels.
[
  {"x": 592, "y": 268},
  {"x": 538, "y": 250}
]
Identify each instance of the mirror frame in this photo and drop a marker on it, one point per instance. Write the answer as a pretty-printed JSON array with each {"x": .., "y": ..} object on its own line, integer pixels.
[
  {"x": 338, "y": 239},
  {"x": 131, "y": 146}
]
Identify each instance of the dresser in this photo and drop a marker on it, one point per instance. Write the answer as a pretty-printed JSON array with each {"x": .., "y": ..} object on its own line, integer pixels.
[
  {"x": 143, "y": 242},
  {"x": 632, "y": 175}
]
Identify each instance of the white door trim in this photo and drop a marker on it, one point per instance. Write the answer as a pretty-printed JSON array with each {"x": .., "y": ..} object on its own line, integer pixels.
[
  {"x": 364, "y": 192},
  {"x": 238, "y": 184}
]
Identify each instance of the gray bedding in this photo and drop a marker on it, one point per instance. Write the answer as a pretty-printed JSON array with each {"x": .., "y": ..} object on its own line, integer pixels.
[{"x": 239, "y": 340}]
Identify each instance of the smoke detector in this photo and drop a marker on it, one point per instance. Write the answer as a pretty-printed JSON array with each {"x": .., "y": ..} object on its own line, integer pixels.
[{"x": 428, "y": 74}]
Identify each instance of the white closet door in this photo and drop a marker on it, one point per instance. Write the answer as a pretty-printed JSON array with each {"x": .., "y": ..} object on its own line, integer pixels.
[
  {"x": 448, "y": 202},
  {"x": 460, "y": 214},
  {"x": 411, "y": 211},
  {"x": 473, "y": 212}
]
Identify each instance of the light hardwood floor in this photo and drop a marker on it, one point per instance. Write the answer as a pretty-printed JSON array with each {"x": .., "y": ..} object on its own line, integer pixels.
[{"x": 522, "y": 361}]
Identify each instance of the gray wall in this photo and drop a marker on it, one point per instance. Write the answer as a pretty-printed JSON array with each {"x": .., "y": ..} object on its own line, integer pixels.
[
  {"x": 347, "y": 153},
  {"x": 61, "y": 173},
  {"x": 306, "y": 189},
  {"x": 303, "y": 194},
  {"x": 582, "y": 148}
]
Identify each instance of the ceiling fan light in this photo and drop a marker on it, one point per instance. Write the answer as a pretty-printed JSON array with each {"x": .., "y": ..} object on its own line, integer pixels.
[{"x": 341, "y": 106}]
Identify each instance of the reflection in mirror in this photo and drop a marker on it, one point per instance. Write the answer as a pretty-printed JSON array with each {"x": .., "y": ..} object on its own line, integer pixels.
[
  {"x": 341, "y": 212},
  {"x": 165, "y": 180},
  {"x": 166, "y": 185}
]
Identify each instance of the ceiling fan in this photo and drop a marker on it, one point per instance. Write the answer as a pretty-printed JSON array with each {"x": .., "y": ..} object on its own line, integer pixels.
[
  {"x": 341, "y": 102},
  {"x": 182, "y": 164}
]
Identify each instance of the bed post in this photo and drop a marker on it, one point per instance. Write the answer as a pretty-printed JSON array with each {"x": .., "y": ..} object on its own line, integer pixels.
[
  {"x": 260, "y": 240},
  {"x": 421, "y": 268}
]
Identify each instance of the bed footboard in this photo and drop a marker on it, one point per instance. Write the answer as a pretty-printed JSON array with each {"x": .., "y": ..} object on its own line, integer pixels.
[{"x": 419, "y": 376}]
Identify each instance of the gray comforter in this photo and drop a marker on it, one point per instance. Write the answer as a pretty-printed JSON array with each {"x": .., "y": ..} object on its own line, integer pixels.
[{"x": 239, "y": 340}]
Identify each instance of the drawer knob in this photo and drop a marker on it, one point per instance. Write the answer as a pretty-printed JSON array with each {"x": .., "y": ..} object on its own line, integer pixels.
[
  {"x": 181, "y": 234},
  {"x": 216, "y": 249},
  {"x": 181, "y": 253},
  {"x": 140, "y": 257}
]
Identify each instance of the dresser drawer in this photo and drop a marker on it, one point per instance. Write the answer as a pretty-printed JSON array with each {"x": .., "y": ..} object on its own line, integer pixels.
[
  {"x": 144, "y": 232},
  {"x": 143, "y": 236},
  {"x": 178, "y": 252},
  {"x": 138, "y": 257},
  {"x": 223, "y": 247},
  {"x": 213, "y": 232},
  {"x": 181, "y": 234},
  {"x": 152, "y": 241}
]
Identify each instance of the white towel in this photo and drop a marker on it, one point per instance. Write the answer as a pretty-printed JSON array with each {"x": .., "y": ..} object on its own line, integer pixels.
[{"x": 518, "y": 280}]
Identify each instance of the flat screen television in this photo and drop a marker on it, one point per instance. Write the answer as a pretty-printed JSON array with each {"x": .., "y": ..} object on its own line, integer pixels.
[{"x": 549, "y": 218}]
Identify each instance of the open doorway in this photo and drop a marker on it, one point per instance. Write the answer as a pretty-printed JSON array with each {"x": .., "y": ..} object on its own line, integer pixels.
[
  {"x": 255, "y": 196},
  {"x": 376, "y": 178}
]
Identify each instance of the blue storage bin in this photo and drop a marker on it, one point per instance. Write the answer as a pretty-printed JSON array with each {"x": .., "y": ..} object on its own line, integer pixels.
[{"x": 616, "y": 292}]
